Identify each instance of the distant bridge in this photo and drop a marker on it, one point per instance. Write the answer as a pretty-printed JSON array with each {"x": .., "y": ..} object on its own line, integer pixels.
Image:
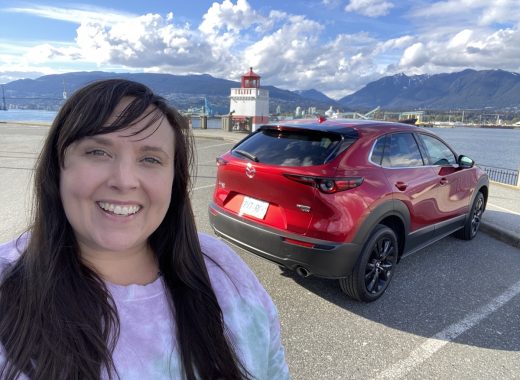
[{"x": 206, "y": 110}]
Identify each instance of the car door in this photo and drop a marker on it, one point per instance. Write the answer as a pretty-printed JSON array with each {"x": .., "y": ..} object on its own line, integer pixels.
[
  {"x": 414, "y": 183},
  {"x": 454, "y": 184}
]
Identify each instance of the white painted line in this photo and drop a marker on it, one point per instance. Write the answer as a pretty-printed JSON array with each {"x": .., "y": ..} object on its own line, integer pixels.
[
  {"x": 439, "y": 340},
  {"x": 504, "y": 209},
  {"x": 203, "y": 187}
]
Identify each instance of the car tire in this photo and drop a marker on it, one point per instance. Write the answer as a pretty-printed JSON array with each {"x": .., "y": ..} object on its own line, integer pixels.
[
  {"x": 374, "y": 268},
  {"x": 472, "y": 224}
]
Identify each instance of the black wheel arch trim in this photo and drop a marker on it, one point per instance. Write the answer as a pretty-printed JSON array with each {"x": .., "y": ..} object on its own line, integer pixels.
[
  {"x": 482, "y": 184},
  {"x": 394, "y": 208}
]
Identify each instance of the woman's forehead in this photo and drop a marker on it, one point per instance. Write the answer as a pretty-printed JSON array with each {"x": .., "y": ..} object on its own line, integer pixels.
[
  {"x": 146, "y": 131},
  {"x": 151, "y": 120},
  {"x": 125, "y": 105}
]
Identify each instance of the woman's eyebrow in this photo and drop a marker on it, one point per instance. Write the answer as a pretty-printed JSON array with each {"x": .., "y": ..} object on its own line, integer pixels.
[
  {"x": 153, "y": 149},
  {"x": 99, "y": 140}
]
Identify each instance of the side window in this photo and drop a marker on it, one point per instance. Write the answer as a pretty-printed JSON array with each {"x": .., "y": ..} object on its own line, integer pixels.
[
  {"x": 401, "y": 150},
  {"x": 377, "y": 153},
  {"x": 439, "y": 153}
]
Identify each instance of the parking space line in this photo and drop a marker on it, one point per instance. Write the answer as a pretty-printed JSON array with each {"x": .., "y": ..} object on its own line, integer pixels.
[
  {"x": 504, "y": 209},
  {"x": 439, "y": 340},
  {"x": 203, "y": 187}
]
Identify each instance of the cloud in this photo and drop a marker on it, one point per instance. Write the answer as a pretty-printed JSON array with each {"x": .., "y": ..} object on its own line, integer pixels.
[
  {"x": 143, "y": 41},
  {"x": 484, "y": 12},
  {"x": 228, "y": 16},
  {"x": 294, "y": 45},
  {"x": 415, "y": 55},
  {"x": 481, "y": 34},
  {"x": 73, "y": 15},
  {"x": 468, "y": 48},
  {"x": 369, "y": 8}
]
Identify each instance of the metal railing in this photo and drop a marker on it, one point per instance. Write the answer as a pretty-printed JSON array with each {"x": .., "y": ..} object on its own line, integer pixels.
[{"x": 502, "y": 175}]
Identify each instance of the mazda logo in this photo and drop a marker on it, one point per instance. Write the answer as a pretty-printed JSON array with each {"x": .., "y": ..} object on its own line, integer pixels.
[{"x": 250, "y": 170}]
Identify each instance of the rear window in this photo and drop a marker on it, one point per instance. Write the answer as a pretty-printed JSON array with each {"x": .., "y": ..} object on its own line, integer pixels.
[{"x": 292, "y": 148}]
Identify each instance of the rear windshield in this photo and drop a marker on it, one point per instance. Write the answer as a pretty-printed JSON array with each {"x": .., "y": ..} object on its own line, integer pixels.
[{"x": 292, "y": 148}]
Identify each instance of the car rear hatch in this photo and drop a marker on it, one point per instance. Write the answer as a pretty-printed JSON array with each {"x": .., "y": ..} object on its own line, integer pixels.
[{"x": 271, "y": 176}]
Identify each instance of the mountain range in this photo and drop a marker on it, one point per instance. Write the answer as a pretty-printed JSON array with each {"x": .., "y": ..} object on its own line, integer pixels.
[
  {"x": 468, "y": 89},
  {"x": 183, "y": 91}
]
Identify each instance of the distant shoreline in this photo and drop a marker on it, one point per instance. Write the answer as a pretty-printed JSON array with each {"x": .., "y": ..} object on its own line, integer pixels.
[
  {"x": 473, "y": 126},
  {"x": 34, "y": 123}
]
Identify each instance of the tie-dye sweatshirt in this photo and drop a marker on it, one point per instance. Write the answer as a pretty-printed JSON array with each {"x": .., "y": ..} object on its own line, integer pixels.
[{"x": 146, "y": 348}]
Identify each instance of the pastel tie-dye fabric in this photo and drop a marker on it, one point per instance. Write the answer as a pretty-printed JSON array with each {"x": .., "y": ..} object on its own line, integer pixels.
[{"x": 146, "y": 348}]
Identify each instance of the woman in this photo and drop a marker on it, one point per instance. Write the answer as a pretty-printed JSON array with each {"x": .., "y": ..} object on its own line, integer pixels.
[{"x": 112, "y": 280}]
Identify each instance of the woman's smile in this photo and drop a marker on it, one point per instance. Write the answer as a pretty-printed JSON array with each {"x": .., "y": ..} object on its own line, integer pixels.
[{"x": 119, "y": 209}]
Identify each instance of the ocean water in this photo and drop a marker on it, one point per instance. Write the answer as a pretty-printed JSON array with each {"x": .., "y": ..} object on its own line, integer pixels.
[
  {"x": 38, "y": 116},
  {"x": 491, "y": 147}
]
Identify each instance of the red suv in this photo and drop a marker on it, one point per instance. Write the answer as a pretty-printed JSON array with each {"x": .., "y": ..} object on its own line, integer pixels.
[{"x": 345, "y": 199}]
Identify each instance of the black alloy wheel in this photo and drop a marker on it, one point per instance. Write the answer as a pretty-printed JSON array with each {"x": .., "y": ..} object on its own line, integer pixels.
[
  {"x": 380, "y": 265},
  {"x": 473, "y": 220},
  {"x": 476, "y": 214},
  {"x": 375, "y": 266}
]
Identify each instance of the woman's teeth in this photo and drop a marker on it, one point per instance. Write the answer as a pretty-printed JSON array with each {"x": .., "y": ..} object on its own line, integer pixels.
[{"x": 118, "y": 209}]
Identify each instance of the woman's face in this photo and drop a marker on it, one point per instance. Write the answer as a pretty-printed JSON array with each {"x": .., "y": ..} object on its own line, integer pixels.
[{"x": 116, "y": 188}]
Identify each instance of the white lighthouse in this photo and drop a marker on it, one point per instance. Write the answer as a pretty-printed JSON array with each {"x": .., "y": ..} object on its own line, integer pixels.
[{"x": 249, "y": 104}]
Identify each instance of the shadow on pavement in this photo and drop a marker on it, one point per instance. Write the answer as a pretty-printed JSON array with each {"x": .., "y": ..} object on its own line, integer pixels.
[{"x": 439, "y": 286}]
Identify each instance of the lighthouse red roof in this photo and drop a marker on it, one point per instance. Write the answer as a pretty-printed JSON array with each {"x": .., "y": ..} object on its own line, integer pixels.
[
  {"x": 250, "y": 79},
  {"x": 251, "y": 74}
]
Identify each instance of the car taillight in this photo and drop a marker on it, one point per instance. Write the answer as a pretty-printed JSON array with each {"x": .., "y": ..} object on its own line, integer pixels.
[
  {"x": 327, "y": 185},
  {"x": 221, "y": 161},
  {"x": 298, "y": 242}
]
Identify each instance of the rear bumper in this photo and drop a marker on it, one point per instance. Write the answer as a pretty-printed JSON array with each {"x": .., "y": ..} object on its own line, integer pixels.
[{"x": 325, "y": 259}]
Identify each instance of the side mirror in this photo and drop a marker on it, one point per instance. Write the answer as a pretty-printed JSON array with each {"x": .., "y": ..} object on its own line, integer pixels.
[{"x": 465, "y": 162}]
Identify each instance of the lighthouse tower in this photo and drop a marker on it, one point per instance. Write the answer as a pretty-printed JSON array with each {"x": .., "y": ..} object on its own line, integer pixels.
[{"x": 249, "y": 104}]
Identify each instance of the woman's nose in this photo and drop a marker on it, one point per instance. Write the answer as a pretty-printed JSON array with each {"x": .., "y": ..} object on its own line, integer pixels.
[{"x": 123, "y": 175}]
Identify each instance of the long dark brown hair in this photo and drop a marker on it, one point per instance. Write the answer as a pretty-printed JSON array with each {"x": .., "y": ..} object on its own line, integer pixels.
[{"x": 57, "y": 318}]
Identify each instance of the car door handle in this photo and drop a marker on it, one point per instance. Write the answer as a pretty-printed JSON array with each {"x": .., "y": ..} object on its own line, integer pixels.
[
  {"x": 443, "y": 181},
  {"x": 401, "y": 185}
]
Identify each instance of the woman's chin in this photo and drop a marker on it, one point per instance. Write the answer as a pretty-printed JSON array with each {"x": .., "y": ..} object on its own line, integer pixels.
[{"x": 116, "y": 245}]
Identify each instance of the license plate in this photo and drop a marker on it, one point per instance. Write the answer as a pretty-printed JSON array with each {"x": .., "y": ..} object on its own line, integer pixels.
[{"x": 253, "y": 207}]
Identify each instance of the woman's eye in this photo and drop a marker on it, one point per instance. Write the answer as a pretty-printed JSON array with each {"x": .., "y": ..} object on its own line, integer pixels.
[
  {"x": 151, "y": 160},
  {"x": 97, "y": 152}
]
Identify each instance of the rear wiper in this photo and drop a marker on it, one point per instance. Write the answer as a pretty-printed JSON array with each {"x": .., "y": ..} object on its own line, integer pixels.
[{"x": 251, "y": 156}]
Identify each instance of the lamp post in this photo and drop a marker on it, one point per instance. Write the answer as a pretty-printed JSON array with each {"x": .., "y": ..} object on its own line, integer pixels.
[{"x": 3, "y": 98}]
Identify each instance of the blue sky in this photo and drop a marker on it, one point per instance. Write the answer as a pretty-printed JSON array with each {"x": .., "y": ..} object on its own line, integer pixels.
[{"x": 334, "y": 46}]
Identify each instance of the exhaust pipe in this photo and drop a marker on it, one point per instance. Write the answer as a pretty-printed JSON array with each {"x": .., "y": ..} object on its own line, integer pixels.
[{"x": 301, "y": 271}]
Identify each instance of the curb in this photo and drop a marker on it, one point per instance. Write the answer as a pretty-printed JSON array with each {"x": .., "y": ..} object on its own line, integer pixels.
[
  {"x": 505, "y": 185},
  {"x": 500, "y": 234}
]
